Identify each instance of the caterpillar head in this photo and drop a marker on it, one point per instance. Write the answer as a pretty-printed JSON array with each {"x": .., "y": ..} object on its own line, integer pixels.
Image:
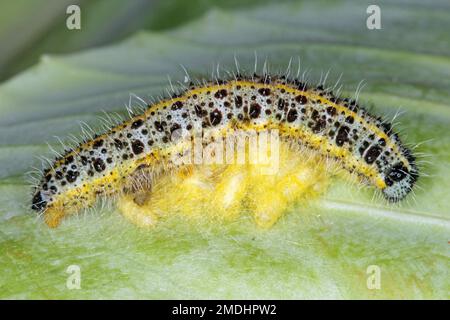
[{"x": 399, "y": 181}]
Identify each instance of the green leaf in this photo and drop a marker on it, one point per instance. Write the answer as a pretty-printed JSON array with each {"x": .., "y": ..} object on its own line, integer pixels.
[
  {"x": 42, "y": 26},
  {"x": 322, "y": 251}
]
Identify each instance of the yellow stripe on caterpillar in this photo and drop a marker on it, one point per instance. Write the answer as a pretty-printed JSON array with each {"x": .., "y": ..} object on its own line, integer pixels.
[{"x": 141, "y": 152}]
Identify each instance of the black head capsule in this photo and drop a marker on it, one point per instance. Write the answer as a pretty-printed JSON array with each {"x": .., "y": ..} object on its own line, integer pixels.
[{"x": 399, "y": 181}]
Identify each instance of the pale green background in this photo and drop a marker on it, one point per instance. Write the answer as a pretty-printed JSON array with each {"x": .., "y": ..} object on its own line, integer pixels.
[{"x": 317, "y": 252}]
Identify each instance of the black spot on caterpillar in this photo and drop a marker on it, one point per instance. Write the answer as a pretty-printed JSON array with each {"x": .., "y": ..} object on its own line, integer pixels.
[{"x": 310, "y": 116}]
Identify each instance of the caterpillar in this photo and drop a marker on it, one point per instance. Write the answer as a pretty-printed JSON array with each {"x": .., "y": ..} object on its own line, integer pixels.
[{"x": 313, "y": 124}]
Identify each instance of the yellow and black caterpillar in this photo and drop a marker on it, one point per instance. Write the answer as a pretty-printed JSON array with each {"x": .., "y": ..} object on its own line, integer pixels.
[{"x": 133, "y": 156}]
